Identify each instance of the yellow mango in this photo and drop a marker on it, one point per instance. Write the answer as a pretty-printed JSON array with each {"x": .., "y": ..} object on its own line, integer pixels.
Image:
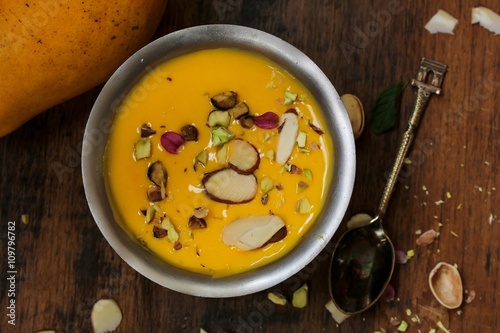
[{"x": 53, "y": 50}]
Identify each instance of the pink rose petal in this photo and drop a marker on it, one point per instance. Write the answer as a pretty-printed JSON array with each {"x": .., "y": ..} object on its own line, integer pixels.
[
  {"x": 401, "y": 256},
  {"x": 389, "y": 293},
  {"x": 268, "y": 120},
  {"x": 171, "y": 141}
]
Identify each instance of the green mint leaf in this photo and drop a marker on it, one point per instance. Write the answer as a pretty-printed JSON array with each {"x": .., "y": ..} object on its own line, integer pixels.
[{"x": 383, "y": 116}]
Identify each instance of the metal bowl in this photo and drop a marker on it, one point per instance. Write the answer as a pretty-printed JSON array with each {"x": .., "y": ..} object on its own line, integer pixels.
[{"x": 174, "y": 45}]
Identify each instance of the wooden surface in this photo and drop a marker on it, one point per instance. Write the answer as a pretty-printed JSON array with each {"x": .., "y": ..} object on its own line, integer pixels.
[{"x": 64, "y": 264}]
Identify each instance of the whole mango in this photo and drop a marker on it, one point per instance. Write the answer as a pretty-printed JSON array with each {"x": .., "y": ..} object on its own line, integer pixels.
[{"x": 53, "y": 50}]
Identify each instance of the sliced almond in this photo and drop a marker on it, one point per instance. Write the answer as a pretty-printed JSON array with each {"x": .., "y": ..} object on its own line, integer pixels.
[
  {"x": 106, "y": 316},
  {"x": 251, "y": 232},
  {"x": 228, "y": 186},
  {"x": 243, "y": 156},
  {"x": 288, "y": 135}
]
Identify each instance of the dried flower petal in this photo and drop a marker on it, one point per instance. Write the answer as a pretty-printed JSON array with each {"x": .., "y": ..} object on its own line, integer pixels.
[
  {"x": 401, "y": 256},
  {"x": 389, "y": 293},
  {"x": 268, "y": 120},
  {"x": 470, "y": 296},
  {"x": 171, "y": 141}
]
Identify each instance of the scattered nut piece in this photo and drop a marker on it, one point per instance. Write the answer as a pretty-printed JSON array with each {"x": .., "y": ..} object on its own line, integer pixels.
[
  {"x": 355, "y": 112},
  {"x": 225, "y": 100},
  {"x": 486, "y": 18},
  {"x": 441, "y": 22},
  {"x": 337, "y": 315},
  {"x": 200, "y": 212},
  {"x": 106, "y": 316},
  {"x": 189, "y": 133},
  {"x": 197, "y": 222},
  {"x": 427, "y": 237},
  {"x": 300, "y": 296},
  {"x": 358, "y": 220},
  {"x": 25, "y": 218},
  {"x": 142, "y": 149},
  {"x": 276, "y": 298},
  {"x": 147, "y": 131}
]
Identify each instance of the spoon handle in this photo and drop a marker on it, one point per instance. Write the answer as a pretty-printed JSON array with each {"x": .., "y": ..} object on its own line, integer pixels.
[{"x": 424, "y": 92}]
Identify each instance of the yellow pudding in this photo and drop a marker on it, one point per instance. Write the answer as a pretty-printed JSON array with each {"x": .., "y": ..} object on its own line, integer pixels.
[{"x": 179, "y": 93}]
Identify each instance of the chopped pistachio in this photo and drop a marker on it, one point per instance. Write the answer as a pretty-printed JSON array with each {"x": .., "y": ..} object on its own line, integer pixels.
[
  {"x": 303, "y": 206},
  {"x": 277, "y": 298},
  {"x": 410, "y": 254},
  {"x": 202, "y": 157},
  {"x": 221, "y": 155},
  {"x": 246, "y": 121},
  {"x": 157, "y": 173},
  {"x": 308, "y": 173},
  {"x": 403, "y": 326},
  {"x": 218, "y": 118},
  {"x": 239, "y": 110},
  {"x": 264, "y": 199},
  {"x": 299, "y": 299},
  {"x": 266, "y": 184},
  {"x": 267, "y": 137},
  {"x": 142, "y": 149},
  {"x": 225, "y": 100},
  {"x": 271, "y": 84},
  {"x": 157, "y": 209},
  {"x": 270, "y": 155},
  {"x": 408, "y": 312},
  {"x": 220, "y": 135},
  {"x": 197, "y": 222},
  {"x": 453, "y": 233},
  {"x": 301, "y": 139},
  {"x": 189, "y": 133},
  {"x": 202, "y": 330},
  {"x": 173, "y": 235},
  {"x": 304, "y": 150},
  {"x": 25, "y": 218},
  {"x": 441, "y": 326},
  {"x": 301, "y": 186},
  {"x": 159, "y": 232},
  {"x": 200, "y": 212},
  {"x": 289, "y": 97},
  {"x": 150, "y": 214},
  {"x": 432, "y": 330}
]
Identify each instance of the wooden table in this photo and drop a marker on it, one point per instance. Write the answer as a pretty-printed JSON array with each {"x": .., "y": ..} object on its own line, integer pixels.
[{"x": 65, "y": 265}]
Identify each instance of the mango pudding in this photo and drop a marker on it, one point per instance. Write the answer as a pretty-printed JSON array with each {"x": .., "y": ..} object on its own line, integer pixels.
[{"x": 217, "y": 161}]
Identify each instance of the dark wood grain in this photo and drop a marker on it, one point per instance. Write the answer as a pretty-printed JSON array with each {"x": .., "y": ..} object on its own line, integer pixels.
[{"x": 64, "y": 264}]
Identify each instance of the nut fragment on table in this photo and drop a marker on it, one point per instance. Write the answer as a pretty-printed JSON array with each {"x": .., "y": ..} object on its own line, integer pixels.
[
  {"x": 355, "y": 112},
  {"x": 106, "y": 316}
]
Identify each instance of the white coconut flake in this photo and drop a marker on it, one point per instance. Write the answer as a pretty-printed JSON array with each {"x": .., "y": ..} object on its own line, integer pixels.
[
  {"x": 441, "y": 22},
  {"x": 106, "y": 316},
  {"x": 486, "y": 18}
]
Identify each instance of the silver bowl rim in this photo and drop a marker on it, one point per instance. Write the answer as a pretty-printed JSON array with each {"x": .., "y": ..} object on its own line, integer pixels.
[{"x": 173, "y": 45}]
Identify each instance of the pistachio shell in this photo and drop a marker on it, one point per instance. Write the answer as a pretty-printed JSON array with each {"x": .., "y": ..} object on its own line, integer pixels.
[{"x": 446, "y": 285}]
